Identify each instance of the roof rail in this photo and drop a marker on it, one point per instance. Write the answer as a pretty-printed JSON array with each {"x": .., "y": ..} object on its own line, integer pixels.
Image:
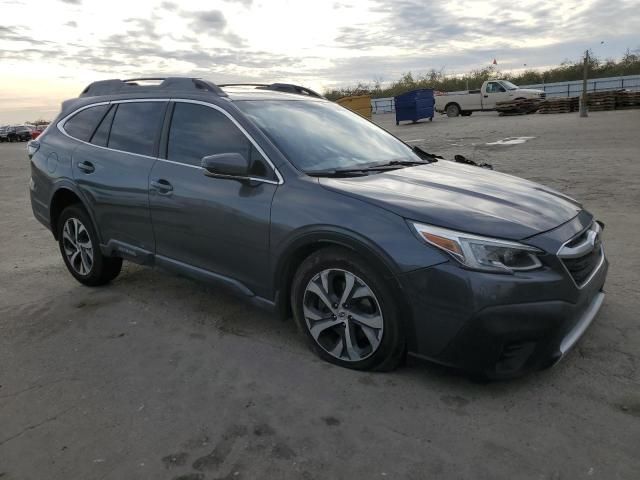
[
  {"x": 167, "y": 84},
  {"x": 279, "y": 87}
]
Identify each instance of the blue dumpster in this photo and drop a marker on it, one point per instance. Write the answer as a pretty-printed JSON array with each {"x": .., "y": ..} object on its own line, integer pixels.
[{"x": 415, "y": 105}]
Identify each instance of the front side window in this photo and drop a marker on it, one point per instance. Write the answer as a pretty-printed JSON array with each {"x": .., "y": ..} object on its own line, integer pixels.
[
  {"x": 136, "y": 126},
  {"x": 83, "y": 123},
  {"x": 492, "y": 87},
  {"x": 318, "y": 136},
  {"x": 198, "y": 131}
]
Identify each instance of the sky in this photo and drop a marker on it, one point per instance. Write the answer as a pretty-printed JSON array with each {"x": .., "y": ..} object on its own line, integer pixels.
[{"x": 51, "y": 49}]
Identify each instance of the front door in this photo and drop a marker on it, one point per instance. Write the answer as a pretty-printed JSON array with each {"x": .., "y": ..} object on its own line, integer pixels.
[
  {"x": 217, "y": 224},
  {"x": 495, "y": 92}
]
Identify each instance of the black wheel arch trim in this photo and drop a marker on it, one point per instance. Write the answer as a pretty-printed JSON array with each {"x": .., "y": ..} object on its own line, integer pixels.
[
  {"x": 337, "y": 236},
  {"x": 319, "y": 235},
  {"x": 67, "y": 184}
]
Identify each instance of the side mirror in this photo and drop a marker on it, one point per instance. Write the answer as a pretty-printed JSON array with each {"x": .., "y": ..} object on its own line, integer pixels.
[{"x": 226, "y": 165}]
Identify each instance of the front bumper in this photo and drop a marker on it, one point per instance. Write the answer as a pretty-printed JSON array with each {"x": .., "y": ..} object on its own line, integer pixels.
[{"x": 501, "y": 326}]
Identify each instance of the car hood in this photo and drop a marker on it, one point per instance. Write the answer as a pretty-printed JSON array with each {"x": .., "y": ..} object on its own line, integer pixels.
[
  {"x": 528, "y": 90},
  {"x": 464, "y": 198}
]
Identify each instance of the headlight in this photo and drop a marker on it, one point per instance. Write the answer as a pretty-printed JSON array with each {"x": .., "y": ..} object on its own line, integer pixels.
[{"x": 481, "y": 253}]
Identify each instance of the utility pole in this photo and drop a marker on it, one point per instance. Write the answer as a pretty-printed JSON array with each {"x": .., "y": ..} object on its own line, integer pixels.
[{"x": 583, "y": 102}]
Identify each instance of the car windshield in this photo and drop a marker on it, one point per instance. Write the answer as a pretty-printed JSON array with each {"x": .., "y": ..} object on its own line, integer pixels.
[
  {"x": 320, "y": 136},
  {"x": 509, "y": 85}
]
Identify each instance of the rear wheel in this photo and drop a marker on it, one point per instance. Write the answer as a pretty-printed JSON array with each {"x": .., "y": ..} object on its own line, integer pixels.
[
  {"x": 347, "y": 311},
  {"x": 453, "y": 110},
  {"x": 80, "y": 249}
]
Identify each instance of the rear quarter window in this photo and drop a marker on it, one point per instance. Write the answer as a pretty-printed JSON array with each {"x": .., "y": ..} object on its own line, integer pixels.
[{"x": 83, "y": 123}]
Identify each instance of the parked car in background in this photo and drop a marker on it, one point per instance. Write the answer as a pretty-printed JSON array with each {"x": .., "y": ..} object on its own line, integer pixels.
[
  {"x": 468, "y": 101},
  {"x": 377, "y": 249},
  {"x": 18, "y": 133},
  {"x": 35, "y": 133},
  {"x": 3, "y": 133}
]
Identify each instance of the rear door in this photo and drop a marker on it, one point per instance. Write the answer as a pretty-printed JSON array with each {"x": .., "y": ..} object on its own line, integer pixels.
[
  {"x": 217, "y": 224},
  {"x": 112, "y": 166}
]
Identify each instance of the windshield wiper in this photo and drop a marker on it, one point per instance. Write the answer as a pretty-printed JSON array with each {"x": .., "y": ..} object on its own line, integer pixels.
[
  {"x": 430, "y": 157},
  {"x": 362, "y": 171},
  {"x": 341, "y": 172}
]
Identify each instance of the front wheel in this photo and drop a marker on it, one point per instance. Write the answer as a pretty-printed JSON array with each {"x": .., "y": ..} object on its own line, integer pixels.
[
  {"x": 80, "y": 249},
  {"x": 347, "y": 311}
]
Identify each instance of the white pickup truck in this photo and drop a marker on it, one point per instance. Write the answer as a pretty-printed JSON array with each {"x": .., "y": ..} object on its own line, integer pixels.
[{"x": 483, "y": 100}]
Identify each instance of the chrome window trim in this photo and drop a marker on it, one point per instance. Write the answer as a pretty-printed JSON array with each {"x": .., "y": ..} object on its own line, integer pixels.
[{"x": 60, "y": 126}]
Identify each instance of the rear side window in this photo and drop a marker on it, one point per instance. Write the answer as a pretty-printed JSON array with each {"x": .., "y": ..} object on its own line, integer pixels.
[
  {"x": 83, "y": 123},
  {"x": 198, "y": 131},
  {"x": 102, "y": 133},
  {"x": 136, "y": 126}
]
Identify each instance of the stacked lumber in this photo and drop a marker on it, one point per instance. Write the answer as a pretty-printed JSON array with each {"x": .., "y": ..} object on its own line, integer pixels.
[
  {"x": 599, "y": 101},
  {"x": 521, "y": 106},
  {"x": 559, "y": 105},
  {"x": 626, "y": 99},
  {"x": 596, "y": 101}
]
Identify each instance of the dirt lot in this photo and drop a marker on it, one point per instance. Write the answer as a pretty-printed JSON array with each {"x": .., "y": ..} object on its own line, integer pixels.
[{"x": 158, "y": 377}]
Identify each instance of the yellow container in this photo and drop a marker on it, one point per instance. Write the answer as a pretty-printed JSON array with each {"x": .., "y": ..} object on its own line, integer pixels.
[{"x": 361, "y": 104}]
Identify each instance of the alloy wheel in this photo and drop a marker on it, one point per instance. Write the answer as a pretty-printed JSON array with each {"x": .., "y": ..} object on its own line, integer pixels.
[
  {"x": 343, "y": 315},
  {"x": 77, "y": 246}
]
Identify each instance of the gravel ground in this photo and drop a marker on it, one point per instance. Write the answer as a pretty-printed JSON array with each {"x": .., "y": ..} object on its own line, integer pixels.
[{"x": 159, "y": 377}]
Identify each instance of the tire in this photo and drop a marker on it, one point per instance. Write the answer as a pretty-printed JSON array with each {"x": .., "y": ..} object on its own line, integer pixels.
[
  {"x": 339, "y": 334},
  {"x": 80, "y": 249},
  {"x": 453, "y": 110}
]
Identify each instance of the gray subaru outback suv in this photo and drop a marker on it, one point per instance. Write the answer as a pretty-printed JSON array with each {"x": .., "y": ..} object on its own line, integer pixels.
[{"x": 377, "y": 249}]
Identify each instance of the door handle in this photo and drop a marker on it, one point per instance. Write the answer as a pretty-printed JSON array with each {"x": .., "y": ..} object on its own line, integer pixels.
[
  {"x": 162, "y": 186},
  {"x": 86, "y": 167}
]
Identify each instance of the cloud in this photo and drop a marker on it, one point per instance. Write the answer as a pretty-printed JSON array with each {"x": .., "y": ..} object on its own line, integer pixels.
[
  {"x": 425, "y": 26},
  {"x": 16, "y": 34},
  {"x": 244, "y": 3},
  {"x": 143, "y": 27},
  {"x": 214, "y": 24},
  {"x": 208, "y": 22},
  {"x": 72, "y": 2},
  {"x": 377, "y": 39},
  {"x": 169, "y": 6}
]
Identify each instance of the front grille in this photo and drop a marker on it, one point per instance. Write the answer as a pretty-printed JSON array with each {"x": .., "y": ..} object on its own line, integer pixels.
[
  {"x": 582, "y": 254},
  {"x": 580, "y": 268},
  {"x": 578, "y": 239}
]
